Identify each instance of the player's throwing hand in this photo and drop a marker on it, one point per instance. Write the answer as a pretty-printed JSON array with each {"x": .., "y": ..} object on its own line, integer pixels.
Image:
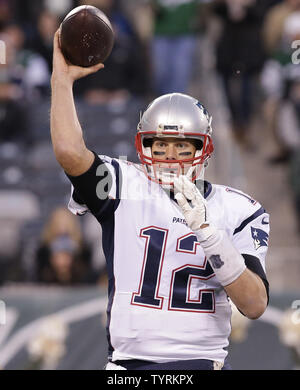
[{"x": 65, "y": 71}]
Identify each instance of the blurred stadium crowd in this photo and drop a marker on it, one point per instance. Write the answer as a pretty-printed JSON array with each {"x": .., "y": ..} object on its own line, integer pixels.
[{"x": 157, "y": 50}]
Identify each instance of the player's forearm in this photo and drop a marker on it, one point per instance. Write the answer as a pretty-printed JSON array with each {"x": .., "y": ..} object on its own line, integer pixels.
[
  {"x": 245, "y": 288},
  {"x": 248, "y": 293},
  {"x": 66, "y": 133}
]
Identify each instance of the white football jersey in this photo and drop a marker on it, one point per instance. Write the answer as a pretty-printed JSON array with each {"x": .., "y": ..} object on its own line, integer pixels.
[{"x": 165, "y": 303}]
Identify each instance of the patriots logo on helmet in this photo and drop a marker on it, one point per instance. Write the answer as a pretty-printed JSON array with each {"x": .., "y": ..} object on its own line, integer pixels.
[
  {"x": 205, "y": 112},
  {"x": 260, "y": 237}
]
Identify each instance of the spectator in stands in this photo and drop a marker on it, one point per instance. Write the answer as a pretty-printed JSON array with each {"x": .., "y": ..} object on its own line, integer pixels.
[
  {"x": 174, "y": 44},
  {"x": 25, "y": 12},
  {"x": 60, "y": 8},
  {"x": 63, "y": 257},
  {"x": 288, "y": 129},
  {"x": 289, "y": 116},
  {"x": 281, "y": 28},
  {"x": 47, "y": 25},
  {"x": 240, "y": 57},
  {"x": 6, "y": 12},
  {"x": 63, "y": 266},
  {"x": 288, "y": 113},
  {"x": 13, "y": 117},
  {"x": 274, "y": 23},
  {"x": 281, "y": 82},
  {"x": 25, "y": 70},
  {"x": 124, "y": 74},
  {"x": 295, "y": 182}
]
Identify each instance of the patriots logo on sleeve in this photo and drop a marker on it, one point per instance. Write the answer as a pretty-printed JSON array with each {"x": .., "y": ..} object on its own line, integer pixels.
[{"x": 260, "y": 237}]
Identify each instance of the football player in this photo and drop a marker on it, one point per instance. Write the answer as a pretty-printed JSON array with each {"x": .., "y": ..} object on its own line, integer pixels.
[{"x": 177, "y": 247}]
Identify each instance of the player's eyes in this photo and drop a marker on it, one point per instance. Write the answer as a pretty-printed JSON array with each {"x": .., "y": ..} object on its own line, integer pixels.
[
  {"x": 161, "y": 145},
  {"x": 182, "y": 146}
]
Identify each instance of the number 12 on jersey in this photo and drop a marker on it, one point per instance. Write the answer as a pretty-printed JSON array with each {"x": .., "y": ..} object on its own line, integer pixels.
[{"x": 182, "y": 277}]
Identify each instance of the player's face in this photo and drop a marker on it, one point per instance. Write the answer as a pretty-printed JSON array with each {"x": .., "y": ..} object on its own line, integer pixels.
[
  {"x": 173, "y": 149},
  {"x": 168, "y": 153}
]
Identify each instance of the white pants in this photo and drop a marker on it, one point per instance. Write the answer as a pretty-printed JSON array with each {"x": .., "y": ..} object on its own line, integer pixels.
[{"x": 113, "y": 366}]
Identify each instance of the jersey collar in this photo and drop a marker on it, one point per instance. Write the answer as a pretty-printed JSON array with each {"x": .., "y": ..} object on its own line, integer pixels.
[{"x": 207, "y": 189}]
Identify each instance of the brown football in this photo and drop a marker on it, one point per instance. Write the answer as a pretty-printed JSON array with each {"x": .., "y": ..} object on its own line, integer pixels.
[{"x": 86, "y": 36}]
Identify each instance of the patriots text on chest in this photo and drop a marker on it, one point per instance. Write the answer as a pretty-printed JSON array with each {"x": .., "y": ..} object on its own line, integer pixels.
[{"x": 179, "y": 220}]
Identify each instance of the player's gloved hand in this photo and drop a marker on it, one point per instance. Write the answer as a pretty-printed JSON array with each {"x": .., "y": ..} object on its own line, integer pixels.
[
  {"x": 226, "y": 261},
  {"x": 195, "y": 213}
]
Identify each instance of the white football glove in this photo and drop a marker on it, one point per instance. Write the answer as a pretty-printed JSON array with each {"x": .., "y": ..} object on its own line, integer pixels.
[
  {"x": 196, "y": 213},
  {"x": 227, "y": 263}
]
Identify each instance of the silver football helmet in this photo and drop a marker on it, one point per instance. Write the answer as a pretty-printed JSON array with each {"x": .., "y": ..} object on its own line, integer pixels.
[{"x": 174, "y": 115}]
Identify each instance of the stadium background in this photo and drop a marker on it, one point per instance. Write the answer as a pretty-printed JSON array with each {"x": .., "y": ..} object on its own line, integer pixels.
[{"x": 56, "y": 326}]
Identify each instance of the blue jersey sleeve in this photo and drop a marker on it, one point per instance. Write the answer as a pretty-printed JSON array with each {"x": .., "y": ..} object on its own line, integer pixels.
[{"x": 96, "y": 191}]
